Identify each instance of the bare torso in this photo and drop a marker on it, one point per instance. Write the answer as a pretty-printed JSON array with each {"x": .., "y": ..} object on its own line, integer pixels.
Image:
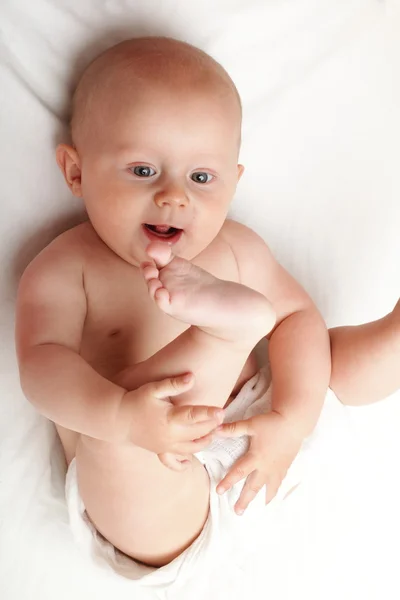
[{"x": 123, "y": 325}]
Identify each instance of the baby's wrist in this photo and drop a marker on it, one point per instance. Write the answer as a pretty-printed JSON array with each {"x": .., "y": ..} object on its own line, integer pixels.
[
  {"x": 126, "y": 418},
  {"x": 299, "y": 425}
]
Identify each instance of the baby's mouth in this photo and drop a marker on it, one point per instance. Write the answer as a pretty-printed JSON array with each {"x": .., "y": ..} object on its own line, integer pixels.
[{"x": 162, "y": 232}]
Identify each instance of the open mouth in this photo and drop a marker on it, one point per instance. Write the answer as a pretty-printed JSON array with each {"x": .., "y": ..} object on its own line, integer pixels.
[{"x": 162, "y": 232}]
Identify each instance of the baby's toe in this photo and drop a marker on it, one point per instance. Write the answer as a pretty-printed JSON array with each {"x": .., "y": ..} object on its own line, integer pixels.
[
  {"x": 153, "y": 285},
  {"x": 160, "y": 252},
  {"x": 149, "y": 271}
]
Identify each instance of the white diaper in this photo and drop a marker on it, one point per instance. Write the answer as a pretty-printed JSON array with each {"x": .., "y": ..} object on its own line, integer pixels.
[{"x": 223, "y": 528}]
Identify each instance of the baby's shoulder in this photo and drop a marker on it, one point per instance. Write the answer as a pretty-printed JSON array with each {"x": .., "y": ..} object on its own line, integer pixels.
[
  {"x": 250, "y": 251},
  {"x": 245, "y": 243},
  {"x": 71, "y": 246},
  {"x": 51, "y": 301},
  {"x": 65, "y": 254},
  {"x": 238, "y": 233}
]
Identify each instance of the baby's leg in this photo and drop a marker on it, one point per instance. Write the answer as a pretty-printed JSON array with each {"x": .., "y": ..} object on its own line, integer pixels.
[
  {"x": 227, "y": 320},
  {"x": 366, "y": 360},
  {"x": 148, "y": 511}
]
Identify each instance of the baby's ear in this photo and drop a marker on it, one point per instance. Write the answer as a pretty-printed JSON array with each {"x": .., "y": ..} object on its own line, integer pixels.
[
  {"x": 70, "y": 165},
  {"x": 240, "y": 171}
]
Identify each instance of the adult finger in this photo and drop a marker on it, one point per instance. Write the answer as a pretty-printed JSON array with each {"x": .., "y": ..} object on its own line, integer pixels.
[
  {"x": 251, "y": 488},
  {"x": 241, "y": 469},
  {"x": 235, "y": 429},
  {"x": 198, "y": 417},
  {"x": 172, "y": 386}
]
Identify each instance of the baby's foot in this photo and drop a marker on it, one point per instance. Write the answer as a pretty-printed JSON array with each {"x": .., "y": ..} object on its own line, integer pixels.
[{"x": 225, "y": 309}]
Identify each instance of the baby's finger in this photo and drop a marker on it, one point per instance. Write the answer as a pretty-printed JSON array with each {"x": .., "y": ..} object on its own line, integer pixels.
[
  {"x": 200, "y": 430},
  {"x": 198, "y": 418},
  {"x": 172, "y": 386},
  {"x": 235, "y": 429},
  {"x": 241, "y": 469},
  {"x": 272, "y": 490},
  {"x": 195, "y": 445},
  {"x": 251, "y": 488}
]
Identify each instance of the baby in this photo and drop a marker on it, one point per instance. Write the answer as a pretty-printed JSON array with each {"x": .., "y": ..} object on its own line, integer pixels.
[{"x": 136, "y": 329}]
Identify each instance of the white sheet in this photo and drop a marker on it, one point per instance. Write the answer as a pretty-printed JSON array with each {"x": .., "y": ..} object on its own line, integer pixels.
[{"x": 320, "y": 86}]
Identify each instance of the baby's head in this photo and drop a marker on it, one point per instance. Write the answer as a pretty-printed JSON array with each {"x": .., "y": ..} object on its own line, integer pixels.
[{"x": 156, "y": 134}]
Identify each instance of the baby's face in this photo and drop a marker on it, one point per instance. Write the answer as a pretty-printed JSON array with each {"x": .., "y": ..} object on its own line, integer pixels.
[{"x": 162, "y": 167}]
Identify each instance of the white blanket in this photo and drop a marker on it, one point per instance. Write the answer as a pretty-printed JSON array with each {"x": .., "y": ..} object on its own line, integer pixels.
[{"x": 320, "y": 86}]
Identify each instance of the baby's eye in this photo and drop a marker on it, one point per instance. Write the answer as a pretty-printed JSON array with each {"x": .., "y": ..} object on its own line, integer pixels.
[
  {"x": 143, "y": 171},
  {"x": 201, "y": 177}
]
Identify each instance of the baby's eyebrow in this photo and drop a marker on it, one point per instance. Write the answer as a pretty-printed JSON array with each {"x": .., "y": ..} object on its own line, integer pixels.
[{"x": 133, "y": 152}]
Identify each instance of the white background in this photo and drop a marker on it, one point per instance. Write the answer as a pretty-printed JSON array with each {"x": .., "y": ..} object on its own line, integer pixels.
[{"x": 320, "y": 85}]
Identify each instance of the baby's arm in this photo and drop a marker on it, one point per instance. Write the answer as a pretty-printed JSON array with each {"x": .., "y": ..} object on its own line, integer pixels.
[
  {"x": 299, "y": 355},
  {"x": 51, "y": 311},
  {"x": 299, "y": 349}
]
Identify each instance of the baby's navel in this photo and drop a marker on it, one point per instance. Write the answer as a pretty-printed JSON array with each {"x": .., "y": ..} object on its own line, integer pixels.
[{"x": 114, "y": 333}]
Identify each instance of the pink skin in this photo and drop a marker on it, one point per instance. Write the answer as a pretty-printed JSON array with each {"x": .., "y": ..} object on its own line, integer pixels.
[{"x": 130, "y": 174}]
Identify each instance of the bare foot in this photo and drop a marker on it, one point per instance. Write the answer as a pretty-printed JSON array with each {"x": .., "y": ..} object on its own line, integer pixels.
[{"x": 224, "y": 309}]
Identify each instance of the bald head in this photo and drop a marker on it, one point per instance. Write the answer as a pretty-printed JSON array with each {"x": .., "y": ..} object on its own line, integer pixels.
[{"x": 132, "y": 67}]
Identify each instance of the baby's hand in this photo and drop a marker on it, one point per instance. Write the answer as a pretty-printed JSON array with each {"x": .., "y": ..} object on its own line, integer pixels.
[
  {"x": 274, "y": 444},
  {"x": 150, "y": 420}
]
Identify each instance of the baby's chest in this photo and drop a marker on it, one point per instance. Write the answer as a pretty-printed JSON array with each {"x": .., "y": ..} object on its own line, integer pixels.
[{"x": 123, "y": 327}]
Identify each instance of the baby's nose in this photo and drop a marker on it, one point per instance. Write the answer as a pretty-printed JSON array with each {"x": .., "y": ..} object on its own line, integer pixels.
[{"x": 171, "y": 195}]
